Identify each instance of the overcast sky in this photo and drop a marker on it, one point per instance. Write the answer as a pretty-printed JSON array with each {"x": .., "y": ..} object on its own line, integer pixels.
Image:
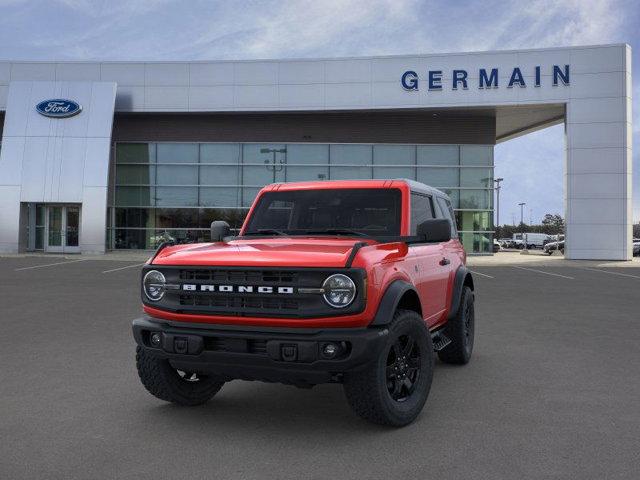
[{"x": 532, "y": 166}]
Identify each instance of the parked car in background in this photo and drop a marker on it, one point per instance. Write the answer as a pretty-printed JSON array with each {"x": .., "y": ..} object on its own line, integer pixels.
[
  {"x": 532, "y": 240},
  {"x": 496, "y": 246},
  {"x": 551, "y": 247},
  {"x": 506, "y": 242},
  {"x": 636, "y": 247}
]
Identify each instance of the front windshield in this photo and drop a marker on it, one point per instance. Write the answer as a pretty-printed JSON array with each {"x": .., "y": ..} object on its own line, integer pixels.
[{"x": 359, "y": 211}]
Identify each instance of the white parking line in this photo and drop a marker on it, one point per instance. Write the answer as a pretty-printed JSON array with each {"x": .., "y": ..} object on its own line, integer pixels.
[
  {"x": 49, "y": 265},
  {"x": 481, "y": 274},
  {"x": 544, "y": 273},
  {"x": 610, "y": 273},
  {"x": 122, "y": 268}
]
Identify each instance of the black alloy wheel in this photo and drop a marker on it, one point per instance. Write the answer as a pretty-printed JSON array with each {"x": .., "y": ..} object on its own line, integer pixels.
[
  {"x": 403, "y": 368},
  {"x": 190, "y": 377}
]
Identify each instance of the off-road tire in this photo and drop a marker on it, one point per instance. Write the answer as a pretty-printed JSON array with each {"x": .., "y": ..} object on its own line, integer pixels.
[
  {"x": 368, "y": 390},
  {"x": 164, "y": 382},
  {"x": 460, "y": 330}
]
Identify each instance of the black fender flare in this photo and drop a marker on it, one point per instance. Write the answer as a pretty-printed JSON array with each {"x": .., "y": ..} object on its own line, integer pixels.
[
  {"x": 462, "y": 274},
  {"x": 389, "y": 302}
]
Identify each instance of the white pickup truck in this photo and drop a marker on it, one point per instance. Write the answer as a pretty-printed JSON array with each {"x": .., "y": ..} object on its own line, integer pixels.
[{"x": 532, "y": 240}]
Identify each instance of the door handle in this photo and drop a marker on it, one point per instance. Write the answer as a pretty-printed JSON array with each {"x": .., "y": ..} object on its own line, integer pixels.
[{"x": 445, "y": 261}]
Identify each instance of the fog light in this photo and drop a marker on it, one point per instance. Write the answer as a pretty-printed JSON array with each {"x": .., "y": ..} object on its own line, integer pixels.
[
  {"x": 330, "y": 350},
  {"x": 156, "y": 339}
]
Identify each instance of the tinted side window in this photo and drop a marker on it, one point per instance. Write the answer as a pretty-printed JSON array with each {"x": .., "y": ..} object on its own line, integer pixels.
[
  {"x": 447, "y": 210},
  {"x": 421, "y": 210}
]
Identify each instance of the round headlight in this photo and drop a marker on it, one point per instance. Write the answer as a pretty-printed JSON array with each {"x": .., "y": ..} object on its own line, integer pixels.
[
  {"x": 153, "y": 285},
  {"x": 339, "y": 290}
]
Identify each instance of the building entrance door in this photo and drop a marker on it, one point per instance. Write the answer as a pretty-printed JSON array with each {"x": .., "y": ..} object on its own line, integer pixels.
[{"x": 62, "y": 229}]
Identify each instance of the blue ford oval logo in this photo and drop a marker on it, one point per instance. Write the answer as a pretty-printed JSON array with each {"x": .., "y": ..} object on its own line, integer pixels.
[{"x": 58, "y": 108}]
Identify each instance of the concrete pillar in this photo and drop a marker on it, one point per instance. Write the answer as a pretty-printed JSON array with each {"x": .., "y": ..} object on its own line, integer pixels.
[{"x": 598, "y": 206}]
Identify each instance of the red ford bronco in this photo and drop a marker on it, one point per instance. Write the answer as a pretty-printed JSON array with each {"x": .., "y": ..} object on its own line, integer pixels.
[{"x": 352, "y": 282}]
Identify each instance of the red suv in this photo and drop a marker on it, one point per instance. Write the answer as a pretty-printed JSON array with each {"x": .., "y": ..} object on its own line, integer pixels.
[{"x": 352, "y": 282}]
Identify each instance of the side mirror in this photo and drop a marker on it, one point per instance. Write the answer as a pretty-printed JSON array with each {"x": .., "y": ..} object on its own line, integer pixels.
[
  {"x": 435, "y": 230},
  {"x": 219, "y": 230}
]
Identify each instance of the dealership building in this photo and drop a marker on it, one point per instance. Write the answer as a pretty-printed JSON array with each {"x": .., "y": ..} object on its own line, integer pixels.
[{"x": 97, "y": 156}]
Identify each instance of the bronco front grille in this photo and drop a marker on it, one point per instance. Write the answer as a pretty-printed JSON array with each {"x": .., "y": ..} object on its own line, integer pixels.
[
  {"x": 237, "y": 302},
  {"x": 241, "y": 276},
  {"x": 197, "y": 290}
]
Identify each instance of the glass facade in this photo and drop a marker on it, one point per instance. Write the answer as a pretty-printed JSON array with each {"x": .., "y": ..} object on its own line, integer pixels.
[{"x": 175, "y": 190}]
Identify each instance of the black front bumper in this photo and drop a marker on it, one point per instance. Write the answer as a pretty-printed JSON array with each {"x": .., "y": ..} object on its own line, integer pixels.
[{"x": 286, "y": 355}]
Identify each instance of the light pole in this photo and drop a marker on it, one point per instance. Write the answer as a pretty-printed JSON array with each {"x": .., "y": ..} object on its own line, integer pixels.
[
  {"x": 497, "y": 182},
  {"x": 522, "y": 212},
  {"x": 524, "y": 240}
]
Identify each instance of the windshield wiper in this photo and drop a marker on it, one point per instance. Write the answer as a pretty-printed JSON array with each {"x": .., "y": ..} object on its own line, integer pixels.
[
  {"x": 337, "y": 231},
  {"x": 268, "y": 231}
]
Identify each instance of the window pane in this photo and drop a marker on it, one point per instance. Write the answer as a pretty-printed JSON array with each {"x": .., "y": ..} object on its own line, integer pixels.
[
  {"x": 219, "y": 175},
  {"x": 177, "y": 196},
  {"x": 454, "y": 195},
  {"x": 474, "y": 221},
  {"x": 132, "y": 239},
  {"x": 180, "y": 236},
  {"x": 220, "y": 153},
  {"x": 177, "y": 175},
  {"x": 135, "y": 152},
  {"x": 233, "y": 216},
  {"x": 298, "y": 155},
  {"x": 135, "y": 217},
  {"x": 263, "y": 171},
  {"x": 176, "y": 218},
  {"x": 353, "y": 156},
  {"x": 439, "y": 177},
  {"x": 476, "y": 177},
  {"x": 218, "y": 197},
  {"x": 227, "y": 155},
  {"x": 39, "y": 238},
  {"x": 394, "y": 155},
  {"x": 477, "y": 242},
  {"x": 177, "y": 152},
  {"x": 421, "y": 210},
  {"x": 135, "y": 174},
  {"x": 447, "y": 211},
  {"x": 40, "y": 218},
  {"x": 135, "y": 196},
  {"x": 438, "y": 155},
  {"x": 476, "y": 199},
  {"x": 476, "y": 155}
]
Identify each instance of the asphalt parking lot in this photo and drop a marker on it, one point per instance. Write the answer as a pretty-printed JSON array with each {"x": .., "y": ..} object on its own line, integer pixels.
[{"x": 552, "y": 391}]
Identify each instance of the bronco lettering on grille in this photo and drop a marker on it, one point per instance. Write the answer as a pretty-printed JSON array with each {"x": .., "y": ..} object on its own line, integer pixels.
[{"x": 191, "y": 287}]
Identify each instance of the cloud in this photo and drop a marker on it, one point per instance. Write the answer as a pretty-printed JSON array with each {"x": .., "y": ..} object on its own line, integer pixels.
[{"x": 158, "y": 29}]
